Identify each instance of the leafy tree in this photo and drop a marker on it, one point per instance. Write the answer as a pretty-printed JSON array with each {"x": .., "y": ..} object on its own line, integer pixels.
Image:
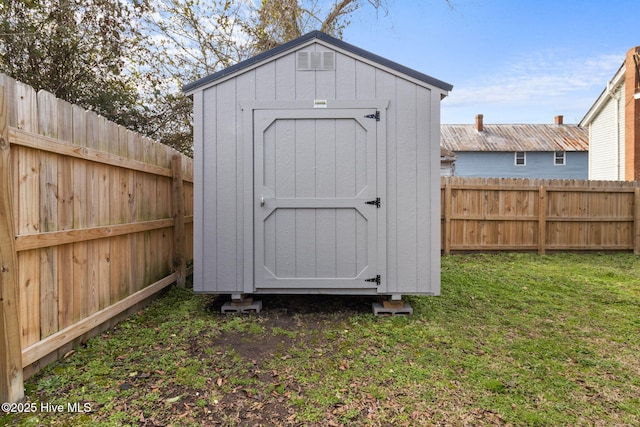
[
  {"x": 77, "y": 50},
  {"x": 279, "y": 21},
  {"x": 193, "y": 38},
  {"x": 128, "y": 59},
  {"x": 190, "y": 39}
]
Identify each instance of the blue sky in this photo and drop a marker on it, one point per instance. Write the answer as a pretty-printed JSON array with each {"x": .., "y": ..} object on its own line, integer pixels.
[{"x": 514, "y": 61}]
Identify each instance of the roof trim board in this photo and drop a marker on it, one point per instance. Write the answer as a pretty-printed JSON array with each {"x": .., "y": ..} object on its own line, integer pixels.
[
  {"x": 608, "y": 91},
  {"x": 303, "y": 41}
]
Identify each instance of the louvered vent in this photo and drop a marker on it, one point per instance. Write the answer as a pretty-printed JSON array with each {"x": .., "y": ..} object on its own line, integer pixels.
[{"x": 316, "y": 61}]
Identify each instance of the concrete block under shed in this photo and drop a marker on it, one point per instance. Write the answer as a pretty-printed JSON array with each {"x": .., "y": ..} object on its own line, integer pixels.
[
  {"x": 242, "y": 307},
  {"x": 381, "y": 310}
]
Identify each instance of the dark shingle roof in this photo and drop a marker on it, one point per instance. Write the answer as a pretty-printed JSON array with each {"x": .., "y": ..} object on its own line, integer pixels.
[
  {"x": 328, "y": 39},
  {"x": 525, "y": 137}
]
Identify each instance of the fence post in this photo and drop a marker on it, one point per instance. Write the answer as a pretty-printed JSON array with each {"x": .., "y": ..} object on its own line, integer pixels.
[
  {"x": 636, "y": 221},
  {"x": 447, "y": 216},
  {"x": 542, "y": 220},
  {"x": 11, "y": 380},
  {"x": 178, "y": 215}
]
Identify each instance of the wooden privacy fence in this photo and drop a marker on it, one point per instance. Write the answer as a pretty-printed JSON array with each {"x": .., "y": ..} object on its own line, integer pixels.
[
  {"x": 488, "y": 214},
  {"x": 94, "y": 219}
]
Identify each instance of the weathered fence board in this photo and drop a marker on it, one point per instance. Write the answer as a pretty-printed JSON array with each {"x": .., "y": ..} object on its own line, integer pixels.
[
  {"x": 96, "y": 217},
  {"x": 11, "y": 387},
  {"x": 539, "y": 215}
]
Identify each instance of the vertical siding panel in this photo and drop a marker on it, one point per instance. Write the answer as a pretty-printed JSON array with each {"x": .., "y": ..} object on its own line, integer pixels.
[
  {"x": 325, "y": 81},
  {"x": 265, "y": 82},
  {"x": 406, "y": 187},
  {"x": 325, "y": 134},
  {"x": 304, "y": 81},
  {"x": 366, "y": 84},
  {"x": 424, "y": 195},
  {"x": 267, "y": 168},
  {"x": 305, "y": 187},
  {"x": 434, "y": 199},
  {"x": 245, "y": 91},
  {"x": 345, "y": 77},
  {"x": 226, "y": 185},
  {"x": 346, "y": 166},
  {"x": 539, "y": 165},
  {"x": 325, "y": 85},
  {"x": 285, "y": 188},
  {"x": 361, "y": 169},
  {"x": 285, "y": 78},
  {"x": 385, "y": 88},
  {"x": 210, "y": 190},
  {"x": 622, "y": 117},
  {"x": 305, "y": 164},
  {"x": 604, "y": 152},
  {"x": 199, "y": 187}
]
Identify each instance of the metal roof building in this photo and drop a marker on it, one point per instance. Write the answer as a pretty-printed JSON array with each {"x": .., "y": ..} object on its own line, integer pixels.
[
  {"x": 557, "y": 150},
  {"x": 518, "y": 137}
]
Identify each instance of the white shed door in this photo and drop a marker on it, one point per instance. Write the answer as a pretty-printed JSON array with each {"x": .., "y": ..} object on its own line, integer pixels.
[{"x": 315, "y": 169}]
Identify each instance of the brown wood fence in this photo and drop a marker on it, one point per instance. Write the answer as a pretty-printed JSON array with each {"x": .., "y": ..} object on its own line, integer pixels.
[
  {"x": 94, "y": 219},
  {"x": 492, "y": 214}
]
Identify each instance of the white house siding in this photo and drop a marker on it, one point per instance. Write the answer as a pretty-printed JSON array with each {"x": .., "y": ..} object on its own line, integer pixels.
[
  {"x": 539, "y": 164},
  {"x": 413, "y": 257},
  {"x": 606, "y": 140}
]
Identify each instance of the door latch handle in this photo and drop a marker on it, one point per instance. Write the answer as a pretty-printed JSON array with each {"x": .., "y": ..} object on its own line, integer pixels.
[{"x": 262, "y": 201}]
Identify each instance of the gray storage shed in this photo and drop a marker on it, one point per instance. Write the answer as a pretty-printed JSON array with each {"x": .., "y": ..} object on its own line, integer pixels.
[{"x": 317, "y": 171}]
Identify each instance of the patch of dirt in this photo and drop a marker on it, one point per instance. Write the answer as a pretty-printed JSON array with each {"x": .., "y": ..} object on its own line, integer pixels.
[
  {"x": 298, "y": 315},
  {"x": 235, "y": 362},
  {"x": 289, "y": 322}
]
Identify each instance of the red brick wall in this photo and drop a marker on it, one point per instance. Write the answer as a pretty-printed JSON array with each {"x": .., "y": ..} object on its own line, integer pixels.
[{"x": 632, "y": 115}]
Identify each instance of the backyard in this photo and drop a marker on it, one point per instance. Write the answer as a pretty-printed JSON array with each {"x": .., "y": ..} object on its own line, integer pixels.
[{"x": 514, "y": 339}]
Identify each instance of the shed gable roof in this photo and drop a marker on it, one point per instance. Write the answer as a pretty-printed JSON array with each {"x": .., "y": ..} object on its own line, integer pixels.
[
  {"x": 309, "y": 37},
  {"x": 523, "y": 137}
]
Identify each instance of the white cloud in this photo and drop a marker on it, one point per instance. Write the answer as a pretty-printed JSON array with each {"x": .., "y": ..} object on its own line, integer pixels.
[{"x": 536, "y": 77}]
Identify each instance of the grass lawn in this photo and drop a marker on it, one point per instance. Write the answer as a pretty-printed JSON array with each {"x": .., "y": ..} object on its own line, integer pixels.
[{"x": 514, "y": 339}]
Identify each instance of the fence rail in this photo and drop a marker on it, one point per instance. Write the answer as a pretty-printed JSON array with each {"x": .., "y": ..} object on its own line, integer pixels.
[
  {"x": 94, "y": 219},
  {"x": 486, "y": 214}
]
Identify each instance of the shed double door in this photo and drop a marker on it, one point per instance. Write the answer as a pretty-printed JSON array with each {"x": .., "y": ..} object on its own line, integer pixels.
[{"x": 314, "y": 172}]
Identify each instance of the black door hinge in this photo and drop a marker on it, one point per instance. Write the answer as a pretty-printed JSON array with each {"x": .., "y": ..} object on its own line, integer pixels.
[
  {"x": 374, "y": 116},
  {"x": 374, "y": 202},
  {"x": 374, "y": 279}
]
